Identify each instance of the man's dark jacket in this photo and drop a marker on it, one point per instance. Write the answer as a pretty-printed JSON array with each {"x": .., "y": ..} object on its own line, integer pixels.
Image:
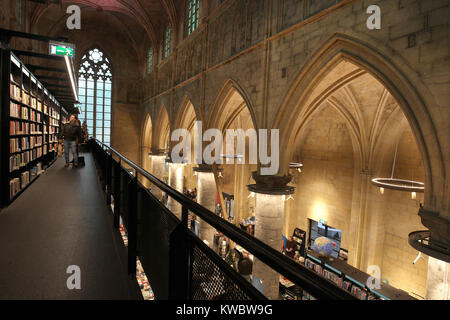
[{"x": 70, "y": 132}]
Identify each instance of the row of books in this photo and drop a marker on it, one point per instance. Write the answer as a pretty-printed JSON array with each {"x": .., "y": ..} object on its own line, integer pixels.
[
  {"x": 54, "y": 114},
  {"x": 360, "y": 293},
  {"x": 17, "y": 184},
  {"x": 53, "y": 139},
  {"x": 54, "y": 122},
  {"x": 20, "y": 160},
  {"x": 17, "y": 111},
  {"x": 53, "y": 130},
  {"x": 18, "y": 127},
  {"x": 35, "y": 116},
  {"x": 21, "y": 95},
  {"x": 333, "y": 277},
  {"x": 14, "y": 187},
  {"x": 33, "y": 141},
  {"x": 23, "y": 112},
  {"x": 15, "y": 92},
  {"x": 25, "y": 98},
  {"x": 19, "y": 144},
  {"x": 14, "y": 145},
  {"x": 34, "y": 104}
]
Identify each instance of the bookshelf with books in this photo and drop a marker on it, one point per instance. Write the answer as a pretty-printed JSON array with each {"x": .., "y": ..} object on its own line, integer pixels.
[
  {"x": 352, "y": 279},
  {"x": 28, "y": 111}
]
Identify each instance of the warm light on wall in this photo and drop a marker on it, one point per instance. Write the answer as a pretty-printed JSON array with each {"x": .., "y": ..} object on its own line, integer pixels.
[
  {"x": 205, "y": 177},
  {"x": 176, "y": 181},
  {"x": 320, "y": 210}
]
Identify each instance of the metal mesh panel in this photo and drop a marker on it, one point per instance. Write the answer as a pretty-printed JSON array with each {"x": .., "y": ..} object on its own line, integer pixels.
[
  {"x": 125, "y": 180},
  {"x": 209, "y": 282},
  {"x": 154, "y": 228}
]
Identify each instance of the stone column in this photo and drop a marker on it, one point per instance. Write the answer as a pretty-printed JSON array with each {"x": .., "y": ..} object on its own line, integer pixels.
[
  {"x": 158, "y": 171},
  {"x": 176, "y": 181},
  {"x": 206, "y": 196},
  {"x": 438, "y": 280},
  {"x": 270, "y": 192},
  {"x": 147, "y": 166}
]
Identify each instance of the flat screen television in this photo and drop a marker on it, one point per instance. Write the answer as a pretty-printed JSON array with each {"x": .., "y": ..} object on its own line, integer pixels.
[{"x": 317, "y": 230}]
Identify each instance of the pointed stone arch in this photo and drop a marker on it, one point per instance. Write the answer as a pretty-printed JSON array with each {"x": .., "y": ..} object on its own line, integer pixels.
[
  {"x": 146, "y": 141},
  {"x": 230, "y": 101},
  {"x": 410, "y": 98},
  {"x": 161, "y": 131},
  {"x": 187, "y": 114}
]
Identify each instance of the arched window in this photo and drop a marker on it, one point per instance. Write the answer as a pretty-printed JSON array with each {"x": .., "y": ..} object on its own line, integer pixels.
[
  {"x": 94, "y": 91},
  {"x": 167, "y": 39},
  {"x": 192, "y": 10}
]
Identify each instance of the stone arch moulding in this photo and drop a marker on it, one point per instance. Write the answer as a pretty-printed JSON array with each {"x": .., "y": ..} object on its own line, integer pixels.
[
  {"x": 145, "y": 142},
  {"x": 182, "y": 112},
  {"x": 341, "y": 47},
  {"x": 160, "y": 128},
  {"x": 221, "y": 100},
  {"x": 145, "y": 132},
  {"x": 353, "y": 126}
]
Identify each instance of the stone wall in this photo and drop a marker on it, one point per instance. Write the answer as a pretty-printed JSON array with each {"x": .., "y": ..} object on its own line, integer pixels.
[
  {"x": 267, "y": 47},
  {"x": 277, "y": 52}
]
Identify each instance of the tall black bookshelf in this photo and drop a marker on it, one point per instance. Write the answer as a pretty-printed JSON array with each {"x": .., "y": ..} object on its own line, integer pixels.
[{"x": 30, "y": 120}]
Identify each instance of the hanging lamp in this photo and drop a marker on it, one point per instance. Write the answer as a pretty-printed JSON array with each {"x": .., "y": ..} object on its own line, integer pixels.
[{"x": 399, "y": 184}]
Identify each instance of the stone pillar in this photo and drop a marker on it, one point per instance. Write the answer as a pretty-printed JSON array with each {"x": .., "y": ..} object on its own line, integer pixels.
[
  {"x": 176, "y": 181},
  {"x": 206, "y": 196},
  {"x": 158, "y": 171},
  {"x": 147, "y": 166},
  {"x": 438, "y": 280},
  {"x": 270, "y": 192}
]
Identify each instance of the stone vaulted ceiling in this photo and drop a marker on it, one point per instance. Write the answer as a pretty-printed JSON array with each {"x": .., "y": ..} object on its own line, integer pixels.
[{"x": 151, "y": 15}]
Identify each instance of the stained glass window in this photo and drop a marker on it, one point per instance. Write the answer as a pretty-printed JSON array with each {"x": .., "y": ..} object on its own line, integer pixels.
[
  {"x": 192, "y": 16},
  {"x": 94, "y": 90},
  {"x": 167, "y": 39}
]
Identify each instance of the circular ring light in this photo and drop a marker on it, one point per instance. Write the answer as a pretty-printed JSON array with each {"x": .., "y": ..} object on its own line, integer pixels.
[{"x": 399, "y": 184}]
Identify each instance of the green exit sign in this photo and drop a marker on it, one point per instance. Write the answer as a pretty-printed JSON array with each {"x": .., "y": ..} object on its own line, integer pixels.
[{"x": 62, "y": 49}]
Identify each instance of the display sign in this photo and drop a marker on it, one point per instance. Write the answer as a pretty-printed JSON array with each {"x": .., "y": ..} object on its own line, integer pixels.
[{"x": 62, "y": 49}]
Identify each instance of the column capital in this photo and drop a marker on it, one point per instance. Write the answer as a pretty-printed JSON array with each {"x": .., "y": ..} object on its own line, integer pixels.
[
  {"x": 272, "y": 185},
  {"x": 156, "y": 152}
]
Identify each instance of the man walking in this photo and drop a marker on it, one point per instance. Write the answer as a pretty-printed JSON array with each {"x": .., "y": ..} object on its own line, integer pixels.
[{"x": 71, "y": 133}]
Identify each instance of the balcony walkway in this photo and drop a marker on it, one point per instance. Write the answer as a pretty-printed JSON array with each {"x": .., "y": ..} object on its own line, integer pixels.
[{"x": 62, "y": 220}]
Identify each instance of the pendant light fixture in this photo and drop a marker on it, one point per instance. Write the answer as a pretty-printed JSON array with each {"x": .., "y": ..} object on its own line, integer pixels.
[{"x": 398, "y": 184}]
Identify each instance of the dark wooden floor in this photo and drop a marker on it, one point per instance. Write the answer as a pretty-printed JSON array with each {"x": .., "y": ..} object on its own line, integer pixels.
[{"x": 62, "y": 220}]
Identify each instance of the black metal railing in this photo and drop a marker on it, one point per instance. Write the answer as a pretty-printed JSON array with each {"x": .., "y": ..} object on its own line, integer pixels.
[{"x": 177, "y": 263}]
